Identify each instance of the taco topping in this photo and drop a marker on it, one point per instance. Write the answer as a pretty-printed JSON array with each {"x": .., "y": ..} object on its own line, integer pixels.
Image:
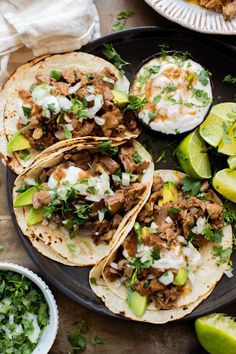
[
  {"x": 69, "y": 104},
  {"x": 87, "y": 194},
  {"x": 158, "y": 258}
]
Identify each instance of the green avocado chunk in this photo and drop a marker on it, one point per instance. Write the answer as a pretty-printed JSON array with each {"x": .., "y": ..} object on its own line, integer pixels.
[
  {"x": 35, "y": 216},
  {"x": 25, "y": 198},
  {"x": 120, "y": 99},
  {"x": 181, "y": 277},
  {"x": 170, "y": 193},
  {"x": 18, "y": 142},
  {"x": 137, "y": 303}
]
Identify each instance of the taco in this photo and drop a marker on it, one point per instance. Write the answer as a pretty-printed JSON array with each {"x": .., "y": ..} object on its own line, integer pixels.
[
  {"x": 77, "y": 200},
  {"x": 176, "y": 252},
  {"x": 60, "y": 97}
]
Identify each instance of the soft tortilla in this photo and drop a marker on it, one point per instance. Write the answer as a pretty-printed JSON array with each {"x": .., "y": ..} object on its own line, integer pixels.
[
  {"x": 23, "y": 78},
  {"x": 205, "y": 277},
  {"x": 86, "y": 252}
]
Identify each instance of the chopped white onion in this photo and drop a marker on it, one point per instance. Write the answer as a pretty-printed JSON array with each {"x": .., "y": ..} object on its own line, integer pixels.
[
  {"x": 101, "y": 215},
  {"x": 116, "y": 178},
  {"x": 125, "y": 179},
  {"x": 181, "y": 239},
  {"x": 74, "y": 88},
  {"x": 90, "y": 98},
  {"x": 40, "y": 92},
  {"x": 117, "y": 283},
  {"x": 64, "y": 102},
  {"x": 90, "y": 89},
  {"x": 99, "y": 120},
  {"x": 193, "y": 256},
  {"x": 66, "y": 118},
  {"x": 191, "y": 277},
  {"x": 107, "y": 79},
  {"x": 166, "y": 278},
  {"x": 114, "y": 265},
  {"x": 69, "y": 127},
  {"x": 153, "y": 225},
  {"x": 21, "y": 114},
  {"x": 123, "y": 279},
  {"x": 200, "y": 225},
  {"x": 168, "y": 220},
  {"x": 30, "y": 181},
  {"x": 229, "y": 272},
  {"x": 45, "y": 222},
  {"x": 169, "y": 260},
  {"x": 98, "y": 102},
  {"x": 133, "y": 178},
  {"x": 150, "y": 276}
]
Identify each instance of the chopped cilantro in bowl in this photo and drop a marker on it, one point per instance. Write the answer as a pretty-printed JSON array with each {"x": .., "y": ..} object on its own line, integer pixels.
[{"x": 28, "y": 312}]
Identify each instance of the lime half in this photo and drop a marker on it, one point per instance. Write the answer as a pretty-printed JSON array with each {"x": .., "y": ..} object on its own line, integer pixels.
[
  {"x": 192, "y": 156},
  {"x": 217, "y": 333},
  {"x": 228, "y": 144},
  {"x": 232, "y": 162},
  {"x": 221, "y": 115},
  {"x": 224, "y": 183}
]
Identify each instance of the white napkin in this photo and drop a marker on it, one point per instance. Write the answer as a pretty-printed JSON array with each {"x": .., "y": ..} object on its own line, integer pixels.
[{"x": 45, "y": 26}]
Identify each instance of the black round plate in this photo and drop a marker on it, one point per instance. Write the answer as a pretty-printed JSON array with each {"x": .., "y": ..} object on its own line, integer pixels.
[{"x": 134, "y": 46}]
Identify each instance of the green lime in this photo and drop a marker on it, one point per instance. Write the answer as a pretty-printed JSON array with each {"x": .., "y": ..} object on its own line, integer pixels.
[
  {"x": 232, "y": 162},
  {"x": 224, "y": 183},
  {"x": 228, "y": 144},
  {"x": 217, "y": 333},
  {"x": 192, "y": 156},
  {"x": 212, "y": 129}
]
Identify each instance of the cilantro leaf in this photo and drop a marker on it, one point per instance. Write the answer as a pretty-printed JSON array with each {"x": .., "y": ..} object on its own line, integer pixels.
[
  {"x": 230, "y": 79},
  {"x": 191, "y": 185},
  {"x": 155, "y": 253},
  {"x": 213, "y": 236},
  {"x": 173, "y": 211},
  {"x": 97, "y": 340},
  {"x": 136, "y": 157},
  {"x": 106, "y": 147},
  {"x": 67, "y": 132},
  {"x": 114, "y": 57},
  {"x": 26, "y": 111},
  {"x": 136, "y": 103},
  {"x": 122, "y": 17},
  {"x": 223, "y": 254},
  {"x": 77, "y": 342},
  {"x": 204, "y": 77},
  {"x": 55, "y": 74}
]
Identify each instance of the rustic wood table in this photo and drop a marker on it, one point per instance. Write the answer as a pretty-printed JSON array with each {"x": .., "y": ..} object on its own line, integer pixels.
[{"x": 121, "y": 336}]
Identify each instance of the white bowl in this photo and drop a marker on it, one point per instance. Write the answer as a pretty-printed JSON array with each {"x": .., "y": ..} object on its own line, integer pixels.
[{"x": 47, "y": 339}]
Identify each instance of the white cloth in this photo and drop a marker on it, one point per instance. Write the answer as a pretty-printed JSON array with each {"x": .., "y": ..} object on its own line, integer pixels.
[{"x": 45, "y": 26}]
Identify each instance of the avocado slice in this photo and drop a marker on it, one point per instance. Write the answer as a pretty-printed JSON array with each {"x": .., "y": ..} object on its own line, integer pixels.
[
  {"x": 35, "y": 216},
  {"x": 181, "y": 277},
  {"x": 120, "y": 99},
  {"x": 25, "y": 198},
  {"x": 170, "y": 193},
  {"x": 18, "y": 142},
  {"x": 137, "y": 303}
]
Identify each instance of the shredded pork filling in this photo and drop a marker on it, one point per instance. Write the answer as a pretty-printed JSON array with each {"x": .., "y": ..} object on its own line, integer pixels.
[
  {"x": 166, "y": 238},
  {"x": 71, "y": 104},
  {"x": 90, "y": 191}
]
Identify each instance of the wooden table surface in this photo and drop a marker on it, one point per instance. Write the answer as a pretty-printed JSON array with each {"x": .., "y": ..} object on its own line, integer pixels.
[{"x": 121, "y": 336}]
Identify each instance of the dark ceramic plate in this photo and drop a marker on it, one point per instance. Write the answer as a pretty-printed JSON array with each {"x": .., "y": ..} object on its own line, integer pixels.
[{"x": 134, "y": 46}]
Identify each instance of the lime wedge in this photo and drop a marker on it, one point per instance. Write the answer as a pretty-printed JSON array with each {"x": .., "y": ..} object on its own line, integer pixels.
[
  {"x": 224, "y": 183},
  {"x": 212, "y": 129},
  {"x": 232, "y": 162},
  {"x": 217, "y": 333},
  {"x": 228, "y": 143},
  {"x": 192, "y": 156}
]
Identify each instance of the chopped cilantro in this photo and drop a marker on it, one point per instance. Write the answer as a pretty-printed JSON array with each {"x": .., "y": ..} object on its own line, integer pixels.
[
  {"x": 154, "y": 69},
  {"x": 122, "y": 18},
  {"x": 204, "y": 77},
  {"x": 169, "y": 88},
  {"x": 78, "y": 342},
  {"x": 230, "y": 79},
  {"x": 156, "y": 99},
  {"x": 21, "y": 301},
  {"x": 1, "y": 247},
  {"x": 51, "y": 107},
  {"x": 136, "y": 157},
  {"x": 114, "y": 57},
  {"x": 190, "y": 77},
  {"x": 106, "y": 147},
  {"x": 136, "y": 103},
  {"x": 191, "y": 185},
  {"x": 223, "y": 254},
  {"x": 71, "y": 247},
  {"x": 164, "y": 50},
  {"x": 92, "y": 190},
  {"x": 67, "y": 132},
  {"x": 55, "y": 74},
  {"x": 201, "y": 95},
  {"x": 229, "y": 212},
  {"x": 25, "y": 155},
  {"x": 97, "y": 340},
  {"x": 161, "y": 156},
  {"x": 173, "y": 211},
  {"x": 213, "y": 236},
  {"x": 152, "y": 116},
  {"x": 155, "y": 253},
  {"x": 26, "y": 111}
]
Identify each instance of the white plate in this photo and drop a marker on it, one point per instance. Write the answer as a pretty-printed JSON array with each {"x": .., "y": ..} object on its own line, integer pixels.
[{"x": 194, "y": 17}]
